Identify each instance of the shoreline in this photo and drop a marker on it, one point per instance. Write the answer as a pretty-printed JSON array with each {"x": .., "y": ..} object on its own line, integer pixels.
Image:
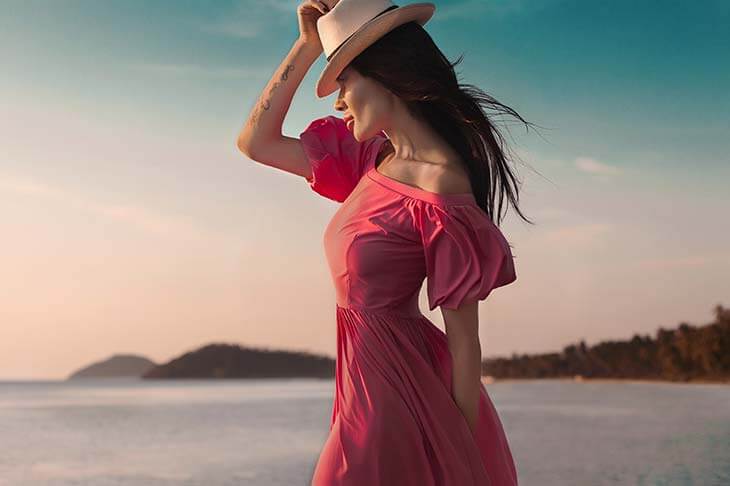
[{"x": 488, "y": 379}]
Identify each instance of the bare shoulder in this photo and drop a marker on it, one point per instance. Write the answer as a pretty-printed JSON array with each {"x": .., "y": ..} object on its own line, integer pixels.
[
  {"x": 451, "y": 178},
  {"x": 448, "y": 178}
]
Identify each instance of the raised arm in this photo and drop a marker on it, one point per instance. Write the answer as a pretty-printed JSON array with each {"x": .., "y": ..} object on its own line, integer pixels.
[{"x": 261, "y": 138}]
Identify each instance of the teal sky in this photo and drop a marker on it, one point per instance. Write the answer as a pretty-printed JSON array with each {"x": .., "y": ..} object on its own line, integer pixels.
[{"x": 132, "y": 224}]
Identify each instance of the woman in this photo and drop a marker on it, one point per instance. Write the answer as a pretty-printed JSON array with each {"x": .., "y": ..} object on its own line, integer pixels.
[{"x": 416, "y": 164}]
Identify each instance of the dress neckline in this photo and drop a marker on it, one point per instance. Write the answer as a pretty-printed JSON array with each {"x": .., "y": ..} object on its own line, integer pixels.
[
  {"x": 417, "y": 192},
  {"x": 412, "y": 191}
]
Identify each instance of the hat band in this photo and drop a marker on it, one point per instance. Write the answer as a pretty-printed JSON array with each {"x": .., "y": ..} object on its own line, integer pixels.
[{"x": 343, "y": 42}]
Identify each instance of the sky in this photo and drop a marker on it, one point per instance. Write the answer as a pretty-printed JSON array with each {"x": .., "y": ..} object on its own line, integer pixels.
[{"x": 132, "y": 224}]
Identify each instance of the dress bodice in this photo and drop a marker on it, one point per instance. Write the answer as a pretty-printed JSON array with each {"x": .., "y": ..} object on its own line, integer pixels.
[{"x": 387, "y": 236}]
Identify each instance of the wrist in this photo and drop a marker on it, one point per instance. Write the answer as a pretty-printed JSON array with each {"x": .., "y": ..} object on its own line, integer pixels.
[{"x": 308, "y": 47}]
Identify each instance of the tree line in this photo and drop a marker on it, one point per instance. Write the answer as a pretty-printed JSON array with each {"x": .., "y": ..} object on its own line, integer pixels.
[{"x": 687, "y": 353}]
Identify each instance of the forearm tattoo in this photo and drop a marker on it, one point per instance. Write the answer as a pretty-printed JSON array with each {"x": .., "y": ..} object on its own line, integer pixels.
[{"x": 266, "y": 104}]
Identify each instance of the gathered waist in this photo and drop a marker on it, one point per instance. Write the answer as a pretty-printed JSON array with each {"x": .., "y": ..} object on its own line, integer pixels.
[{"x": 410, "y": 310}]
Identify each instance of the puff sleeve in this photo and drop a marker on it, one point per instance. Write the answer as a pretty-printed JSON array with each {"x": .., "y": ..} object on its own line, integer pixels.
[
  {"x": 466, "y": 254},
  {"x": 337, "y": 159}
]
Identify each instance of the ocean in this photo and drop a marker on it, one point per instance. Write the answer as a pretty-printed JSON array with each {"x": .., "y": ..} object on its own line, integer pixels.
[{"x": 269, "y": 432}]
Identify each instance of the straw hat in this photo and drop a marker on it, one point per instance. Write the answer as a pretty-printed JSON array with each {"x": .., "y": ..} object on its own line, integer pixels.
[{"x": 352, "y": 25}]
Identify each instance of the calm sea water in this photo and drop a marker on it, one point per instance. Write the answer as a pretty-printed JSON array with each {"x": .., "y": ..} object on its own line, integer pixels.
[{"x": 269, "y": 432}]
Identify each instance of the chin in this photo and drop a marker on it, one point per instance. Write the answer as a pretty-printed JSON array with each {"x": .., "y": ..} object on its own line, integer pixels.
[{"x": 359, "y": 134}]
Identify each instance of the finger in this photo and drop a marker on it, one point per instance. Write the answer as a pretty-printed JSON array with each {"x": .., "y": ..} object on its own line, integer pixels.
[
  {"x": 315, "y": 4},
  {"x": 325, "y": 8}
]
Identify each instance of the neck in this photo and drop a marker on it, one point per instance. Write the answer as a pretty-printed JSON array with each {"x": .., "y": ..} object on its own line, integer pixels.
[{"x": 415, "y": 140}]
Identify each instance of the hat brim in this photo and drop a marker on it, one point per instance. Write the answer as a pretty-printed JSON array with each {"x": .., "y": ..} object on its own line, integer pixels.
[{"x": 366, "y": 35}]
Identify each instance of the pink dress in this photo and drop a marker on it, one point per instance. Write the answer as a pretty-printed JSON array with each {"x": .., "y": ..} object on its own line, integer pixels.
[{"x": 394, "y": 420}]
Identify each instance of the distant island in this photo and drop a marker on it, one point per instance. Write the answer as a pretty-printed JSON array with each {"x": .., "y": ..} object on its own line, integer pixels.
[
  {"x": 688, "y": 353},
  {"x": 233, "y": 361},
  {"x": 118, "y": 366}
]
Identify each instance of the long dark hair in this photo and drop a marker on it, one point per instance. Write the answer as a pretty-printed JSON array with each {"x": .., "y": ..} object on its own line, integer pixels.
[{"x": 408, "y": 63}]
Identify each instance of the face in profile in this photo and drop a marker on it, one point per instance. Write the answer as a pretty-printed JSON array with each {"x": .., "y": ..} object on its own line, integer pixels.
[{"x": 366, "y": 101}]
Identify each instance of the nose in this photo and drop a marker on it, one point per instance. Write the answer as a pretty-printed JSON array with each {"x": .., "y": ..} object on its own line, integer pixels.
[{"x": 338, "y": 104}]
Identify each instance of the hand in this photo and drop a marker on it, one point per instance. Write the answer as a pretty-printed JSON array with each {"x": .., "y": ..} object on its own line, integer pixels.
[{"x": 308, "y": 12}]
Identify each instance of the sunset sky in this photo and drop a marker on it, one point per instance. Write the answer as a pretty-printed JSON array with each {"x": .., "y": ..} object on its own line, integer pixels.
[{"x": 131, "y": 224}]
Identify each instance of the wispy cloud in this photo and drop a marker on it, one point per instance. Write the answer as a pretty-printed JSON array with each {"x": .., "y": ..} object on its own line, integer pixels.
[
  {"x": 248, "y": 19},
  {"x": 474, "y": 9},
  {"x": 687, "y": 261},
  {"x": 577, "y": 235},
  {"x": 593, "y": 166},
  {"x": 547, "y": 213},
  {"x": 197, "y": 70},
  {"x": 131, "y": 214},
  {"x": 459, "y": 10}
]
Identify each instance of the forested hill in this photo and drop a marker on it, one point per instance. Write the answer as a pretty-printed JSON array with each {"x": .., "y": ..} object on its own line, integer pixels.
[
  {"x": 688, "y": 353},
  {"x": 117, "y": 366},
  {"x": 221, "y": 360}
]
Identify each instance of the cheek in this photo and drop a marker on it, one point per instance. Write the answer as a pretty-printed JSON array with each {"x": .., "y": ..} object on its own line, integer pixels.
[
  {"x": 375, "y": 115},
  {"x": 369, "y": 107},
  {"x": 364, "y": 106}
]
